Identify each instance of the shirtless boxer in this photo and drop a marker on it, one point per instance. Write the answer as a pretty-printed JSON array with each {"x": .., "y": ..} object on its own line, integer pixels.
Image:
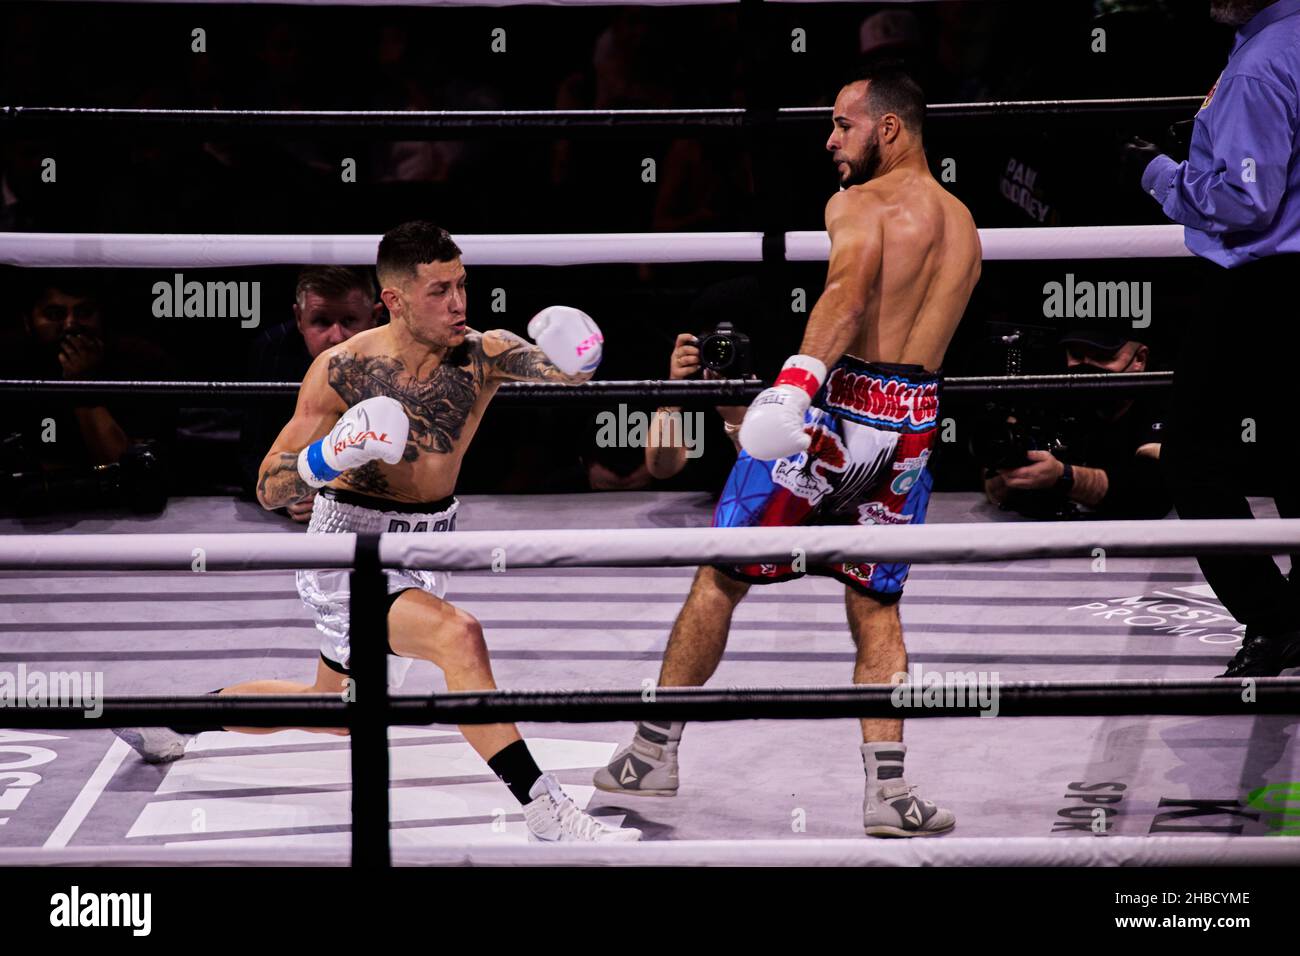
[
  {"x": 382, "y": 423},
  {"x": 849, "y": 446}
]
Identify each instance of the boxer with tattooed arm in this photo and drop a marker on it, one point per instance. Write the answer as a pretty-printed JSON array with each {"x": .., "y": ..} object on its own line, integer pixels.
[{"x": 382, "y": 424}]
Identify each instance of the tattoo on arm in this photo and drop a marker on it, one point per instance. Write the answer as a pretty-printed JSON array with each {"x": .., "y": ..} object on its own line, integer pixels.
[
  {"x": 281, "y": 484},
  {"x": 506, "y": 355}
]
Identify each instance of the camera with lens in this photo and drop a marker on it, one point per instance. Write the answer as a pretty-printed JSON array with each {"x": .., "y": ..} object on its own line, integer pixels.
[
  {"x": 1003, "y": 437},
  {"x": 1005, "y": 434},
  {"x": 138, "y": 483},
  {"x": 725, "y": 351}
]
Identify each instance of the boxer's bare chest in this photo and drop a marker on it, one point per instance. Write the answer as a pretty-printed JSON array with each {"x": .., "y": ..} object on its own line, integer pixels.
[{"x": 443, "y": 404}]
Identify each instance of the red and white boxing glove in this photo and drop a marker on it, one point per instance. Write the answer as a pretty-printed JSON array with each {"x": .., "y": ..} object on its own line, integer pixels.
[
  {"x": 369, "y": 430},
  {"x": 774, "y": 425},
  {"x": 569, "y": 337}
]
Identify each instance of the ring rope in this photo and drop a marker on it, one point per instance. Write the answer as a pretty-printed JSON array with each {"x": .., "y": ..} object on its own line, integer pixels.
[
  {"x": 1058, "y": 851},
  {"x": 176, "y": 250},
  {"x": 655, "y": 547},
  {"x": 406, "y": 122},
  {"x": 692, "y": 392},
  {"x": 1204, "y": 697}
]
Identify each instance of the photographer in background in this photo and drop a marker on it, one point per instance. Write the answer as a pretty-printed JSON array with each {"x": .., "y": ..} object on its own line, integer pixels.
[
  {"x": 1102, "y": 454},
  {"x": 724, "y": 353}
]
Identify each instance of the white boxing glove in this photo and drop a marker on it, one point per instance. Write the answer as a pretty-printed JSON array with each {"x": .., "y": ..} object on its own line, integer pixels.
[
  {"x": 569, "y": 337},
  {"x": 375, "y": 428},
  {"x": 774, "y": 425}
]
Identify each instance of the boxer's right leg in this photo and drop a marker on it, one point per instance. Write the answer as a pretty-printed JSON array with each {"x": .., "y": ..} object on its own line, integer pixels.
[
  {"x": 328, "y": 681},
  {"x": 648, "y": 765},
  {"x": 699, "y": 634},
  {"x": 165, "y": 744}
]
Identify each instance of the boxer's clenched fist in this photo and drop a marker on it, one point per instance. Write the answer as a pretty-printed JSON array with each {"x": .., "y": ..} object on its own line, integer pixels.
[
  {"x": 569, "y": 337},
  {"x": 369, "y": 430},
  {"x": 774, "y": 425}
]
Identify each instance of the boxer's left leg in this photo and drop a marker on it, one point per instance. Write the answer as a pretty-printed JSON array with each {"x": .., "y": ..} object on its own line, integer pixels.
[
  {"x": 890, "y": 808},
  {"x": 426, "y": 627},
  {"x": 878, "y": 636}
]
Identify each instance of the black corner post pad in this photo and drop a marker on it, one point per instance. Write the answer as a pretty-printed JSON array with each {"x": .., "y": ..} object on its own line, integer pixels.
[
  {"x": 760, "y": 120},
  {"x": 774, "y": 280},
  {"x": 774, "y": 248},
  {"x": 367, "y": 695}
]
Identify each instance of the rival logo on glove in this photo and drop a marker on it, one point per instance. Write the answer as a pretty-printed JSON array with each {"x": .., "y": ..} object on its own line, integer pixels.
[
  {"x": 360, "y": 438},
  {"x": 357, "y": 435}
]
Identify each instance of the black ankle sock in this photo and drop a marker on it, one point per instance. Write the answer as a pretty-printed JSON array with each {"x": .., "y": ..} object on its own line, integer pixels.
[
  {"x": 198, "y": 728},
  {"x": 517, "y": 769}
]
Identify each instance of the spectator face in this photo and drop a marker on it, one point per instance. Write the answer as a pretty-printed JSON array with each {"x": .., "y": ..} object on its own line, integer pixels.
[
  {"x": 431, "y": 304},
  {"x": 57, "y": 316},
  {"x": 1130, "y": 357},
  {"x": 854, "y": 144},
  {"x": 325, "y": 322}
]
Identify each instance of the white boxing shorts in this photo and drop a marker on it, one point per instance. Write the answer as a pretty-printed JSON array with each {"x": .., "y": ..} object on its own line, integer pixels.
[{"x": 325, "y": 592}]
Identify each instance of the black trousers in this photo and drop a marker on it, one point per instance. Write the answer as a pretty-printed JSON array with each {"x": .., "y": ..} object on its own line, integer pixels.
[{"x": 1236, "y": 425}]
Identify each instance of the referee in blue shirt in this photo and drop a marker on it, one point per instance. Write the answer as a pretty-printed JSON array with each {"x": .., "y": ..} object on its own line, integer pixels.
[{"x": 1236, "y": 422}]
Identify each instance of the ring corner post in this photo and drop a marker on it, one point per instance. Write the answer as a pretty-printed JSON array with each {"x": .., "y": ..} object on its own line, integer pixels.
[{"x": 371, "y": 847}]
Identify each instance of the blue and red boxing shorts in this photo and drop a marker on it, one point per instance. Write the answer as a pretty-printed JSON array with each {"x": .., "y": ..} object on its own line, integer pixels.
[{"x": 872, "y": 428}]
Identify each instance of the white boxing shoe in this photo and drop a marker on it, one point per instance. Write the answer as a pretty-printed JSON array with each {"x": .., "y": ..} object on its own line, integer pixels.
[{"x": 553, "y": 817}]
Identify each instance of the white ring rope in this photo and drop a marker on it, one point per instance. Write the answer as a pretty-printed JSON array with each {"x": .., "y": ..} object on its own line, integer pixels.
[
  {"x": 474, "y": 3},
  {"x": 164, "y": 250},
  {"x": 483, "y": 3},
  {"x": 656, "y": 547},
  {"x": 950, "y": 851}
]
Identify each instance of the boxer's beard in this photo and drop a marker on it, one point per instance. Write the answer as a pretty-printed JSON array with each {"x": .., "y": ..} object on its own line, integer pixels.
[
  {"x": 864, "y": 167},
  {"x": 1236, "y": 13}
]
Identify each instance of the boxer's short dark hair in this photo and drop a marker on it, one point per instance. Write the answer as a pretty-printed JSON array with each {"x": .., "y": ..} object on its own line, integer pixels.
[
  {"x": 891, "y": 89},
  {"x": 335, "y": 282},
  {"x": 410, "y": 245}
]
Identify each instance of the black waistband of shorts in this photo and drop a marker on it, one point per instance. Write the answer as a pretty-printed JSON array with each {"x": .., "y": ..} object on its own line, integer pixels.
[
  {"x": 344, "y": 496},
  {"x": 914, "y": 374}
]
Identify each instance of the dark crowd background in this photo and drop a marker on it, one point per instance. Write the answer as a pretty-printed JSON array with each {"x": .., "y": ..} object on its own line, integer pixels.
[{"x": 1066, "y": 170}]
